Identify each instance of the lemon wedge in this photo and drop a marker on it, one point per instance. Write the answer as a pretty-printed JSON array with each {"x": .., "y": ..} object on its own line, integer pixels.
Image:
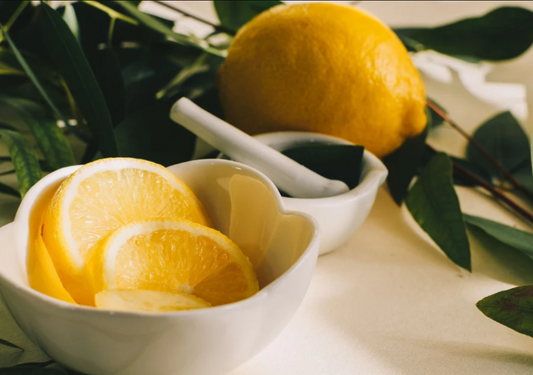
[
  {"x": 147, "y": 300},
  {"x": 175, "y": 257}
]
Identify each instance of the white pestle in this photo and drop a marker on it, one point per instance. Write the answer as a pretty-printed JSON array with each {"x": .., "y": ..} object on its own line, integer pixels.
[{"x": 288, "y": 175}]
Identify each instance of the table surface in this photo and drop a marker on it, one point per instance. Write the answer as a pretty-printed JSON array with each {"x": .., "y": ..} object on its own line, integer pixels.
[{"x": 389, "y": 302}]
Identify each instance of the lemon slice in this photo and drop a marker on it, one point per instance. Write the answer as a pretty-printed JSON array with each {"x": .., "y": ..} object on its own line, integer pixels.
[
  {"x": 175, "y": 257},
  {"x": 147, "y": 300},
  {"x": 103, "y": 196},
  {"x": 42, "y": 275}
]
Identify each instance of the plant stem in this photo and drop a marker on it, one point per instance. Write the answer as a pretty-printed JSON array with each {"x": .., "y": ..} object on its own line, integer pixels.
[
  {"x": 481, "y": 149},
  {"x": 496, "y": 193},
  {"x": 220, "y": 28}
]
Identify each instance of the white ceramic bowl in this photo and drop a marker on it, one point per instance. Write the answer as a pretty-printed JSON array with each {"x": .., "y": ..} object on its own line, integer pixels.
[
  {"x": 249, "y": 209},
  {"x": 339, "y": 216}
]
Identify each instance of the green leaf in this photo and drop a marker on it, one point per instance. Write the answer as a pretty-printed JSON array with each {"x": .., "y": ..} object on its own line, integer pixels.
[
  {"x": 198, "y": 66},
  {"x": 234, "y": 14},
  {"x": 7, "y": 343},
  {"x": 11, "y": 332},
  {"x": 150, "y": 134},
  {"x": 160, "y": 27},
  {"x": 501, "y": 34},
  {"x": 30, "y": 370},
  {"x": 336, "y": 162},
  {"x": 513, "y": 237},
  {"x": 503, "y": 137},
  {"x": 69, "y": 59},
  {"x": 111, "y": 12},
  {"x": 106, "y": 68},
  {"x": 524, "y": 176},
  {"x": 512, "y": 308},
  {"x": 8, "y": 190},
  {"x": 434, "y": 205},
  {"x": 24, "y": 160},
  {"x": 32, "y": 76},
  {"x": 462, "y": 180},
  {"x": 403, "y": 164},
  {"x": 49, "y": 136}
]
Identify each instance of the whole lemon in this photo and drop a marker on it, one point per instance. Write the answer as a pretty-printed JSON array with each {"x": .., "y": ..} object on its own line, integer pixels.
[{"x": 324, "y": 68}]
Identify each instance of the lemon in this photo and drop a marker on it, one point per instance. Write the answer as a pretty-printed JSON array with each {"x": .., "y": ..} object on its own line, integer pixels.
[
  {"x": 146, "y": 300},
  {"x": 101, "y": 197},
  {"x": 42, "y": 274},
  {"x": 174, "y": 257},
  {"x": 324, "y": 68}
]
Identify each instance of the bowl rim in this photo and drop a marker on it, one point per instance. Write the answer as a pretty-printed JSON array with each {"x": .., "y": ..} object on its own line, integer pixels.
[
  {"x": 373, "y": 173},
  {"x": 311, "y": 248}
]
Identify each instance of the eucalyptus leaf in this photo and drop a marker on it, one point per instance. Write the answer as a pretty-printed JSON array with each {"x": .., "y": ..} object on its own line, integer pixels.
[
  {"x": 160, "y": 27},
  {"x": 512, "y": 308},
  {"x": 69, "y": 59},
  {"x": 32, "y": 76},
  {"x": 11, "y": 345},
  {"x": 24, "y": 160},
  {"x": 8, "y": 190},
  {"x": 403, "y": 164},
  {"x": 30, "y": 370},
  {"x": 503, "y": 137},
  {"x": 523, "y": 174},
  {"x": 150, "y": 134},
  {"x": 198, "y": 66},
  {"x": 10, "y": 331},
  {"x": 106, "y": 68},
  {"x": 434, "y": 205},
  {"x": 7, "y": 173},
  {"x": 49, "y": 136},
  {"x": 501, "y": 34},
  {"x": 336, "y": 162},
  {"x": 513, "y": 237},
  {"x": 234, "y": 14},
  {"x": 462, "y": 180}
]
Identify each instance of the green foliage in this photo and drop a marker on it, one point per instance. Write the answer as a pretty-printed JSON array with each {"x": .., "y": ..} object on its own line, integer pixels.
[
  {"x": 66, "y": 54},
  {"x": 51, "y": 139},
  {"x": 513, "y": 237},
  {"x": 403, "y": 163},
  {"x": 151, "y": 134},
  {"x": 158, "y": 26},
  {"x": 501, "y": 34},
  {"x": 512, "y": 308},
  {"x": 503, "y": 137},
  {"x": 24, "y": 159},
  {"x": 434, "y": 205},
  {"x": 234, "y": 14}
]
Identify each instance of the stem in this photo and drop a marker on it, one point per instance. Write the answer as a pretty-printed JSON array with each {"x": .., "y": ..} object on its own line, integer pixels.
[
  {"x": 496, "y": 193},
  {"x": 481, "y": 149},
  {"x": 110, "y": 33},
  {"x": 15, "y": 15},
  {"x": 220, "y": 28}
]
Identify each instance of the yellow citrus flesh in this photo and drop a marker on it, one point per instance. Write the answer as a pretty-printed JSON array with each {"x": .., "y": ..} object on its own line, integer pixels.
[
  {"x": 175, "y": 257},
  {"x": 324, "y": 68},
  {"x": 42, "y": 274},
  {"x": 101, "y": 197},
  {"x": 147, "y": 300}
]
